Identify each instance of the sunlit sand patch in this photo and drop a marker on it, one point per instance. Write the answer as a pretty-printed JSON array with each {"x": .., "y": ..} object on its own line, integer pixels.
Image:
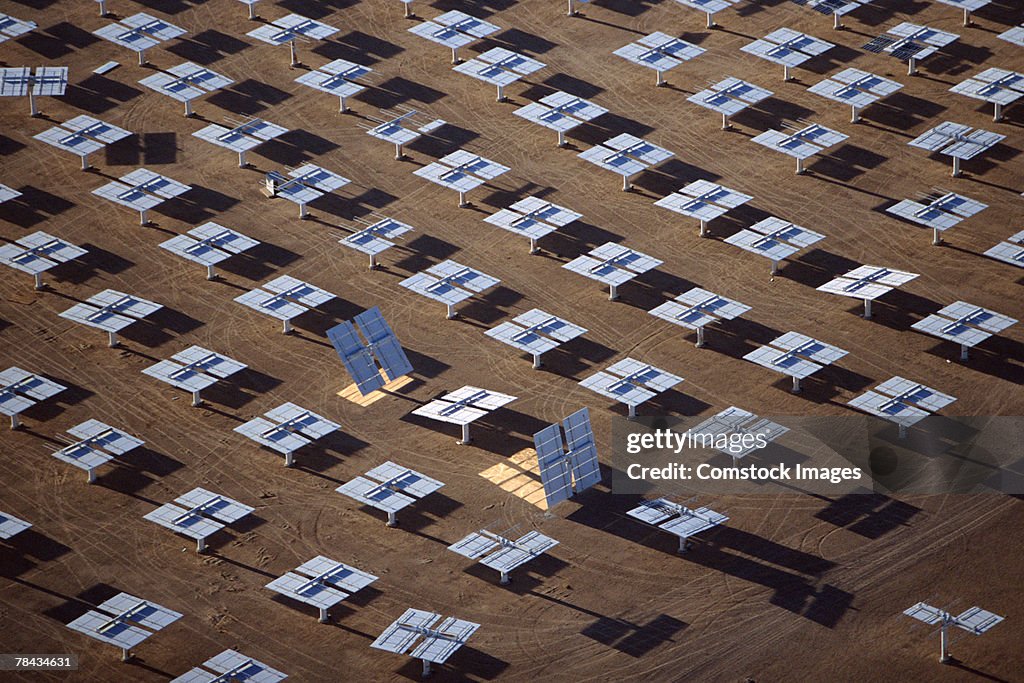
[
  {"x": 520, "y": 476},
  {"x": 351, "y": 392}
]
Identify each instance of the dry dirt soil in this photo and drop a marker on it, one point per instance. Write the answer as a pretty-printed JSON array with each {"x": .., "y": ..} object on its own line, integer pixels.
[{"x": 793, "y": 588}]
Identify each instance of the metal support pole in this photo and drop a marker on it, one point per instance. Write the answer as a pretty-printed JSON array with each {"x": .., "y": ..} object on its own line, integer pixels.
[
  {"x": 700, "y": 337},
  {"x": 944, "y": 637},
  {"x": 85, "y": 162},
  {"x": 342, "y": 108},
  {"x": 796, "y": 385},
  {"x": 725, "y": 122},
  {"x": 90, "y": 477},
  {"x": 38, "y": 277},
  {"x": 142, "y": 58},
  {"x": 561, "y": 138},
  {"x": 501, "y": 93},
  {"x": 373, "y": 261},
  {"x": 682, "y": 545},
  {"x": 505, "y": 579},
  {"x": 613, "y": 292},
  {"x": 210, "y": 275},
  {"x": 775, "y": 267},
  {"x": 252, "y": 11},
  {"x": 289, "y": 458},
  {"x": 241, "y": 159},
  {"x": 867, "y": 309},
  {"x": 451, "y": 314},
  {"x": 536, "y": 361},
  {"x": 15, "y": 421},
  {"x": 126, "y": 654},
  {"x": 836, "y": 21},
  {"x": 462, "y": 200},
  {"x": 533, "y": 245},
  {"x": 963, "y": 351},
  {"x": 661, "y": 79},
  {"x": 302, "y": 211},
  {"x": 455, "y": 55},
  {"x": 398, "y": 151},
  {"x": 785, "y": 73},
  {"x": 293, "y": 53},
  {"x": 632, "y": 411},
  {"x": 142, "y": 217},
  {"x": 936, "y": 237},
  {"x": 323, "y": 615},
  {"x": 956, "y": 167},
  {"x": 572, "y": 10},
  {"x": 286, "y": 326},
  {"x": 200, "y": 545},
  {"x": 103, "y": 8},
  {"x": 967, "y": 17},
  {"x": 703, "y": 228},
  {"x": 711, "y": 21},
  {"x": 903, "y": 431},
  {"x": 408, "y": 10},
  {"x": 465, "y": 435},
  {"x": 998, "y": 114},
  {"x": 626, "y": 186},
  {"x": 111, "y": 339},
  {"x": 196, "y": 399},
  {"x": 33, "y": 111},
  {"x": 799, "y": 166},
  {"x": 426, "y": 668},
  {"x": 188, "y": 108},
  {"x": 392, "y": 518},
  {"x": 854, "y": 116},
  {"x": 911, "y": 67}
]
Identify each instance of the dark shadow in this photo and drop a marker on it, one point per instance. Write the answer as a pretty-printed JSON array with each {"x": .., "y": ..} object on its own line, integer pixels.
[
  {"x": 144, "y": 149},
  {"x": 357, "y": 46},
  {"x": 975, "y": 673},
  {"x": 398, "y": 90},
  {"x": 424, "y": 251},
  {"x": 629, "y": 8},
  {"x": 31, "y": 547},
  {"x": 248, "y": 97},
  {"x": 58, "y": 40},
  {"x": 666, "y": 178},
  {"x": 523, "y": 42},
  {"x": 635, "y": 640},
  {"x": 171, "y": 6},
  {"x": 128, "y": 481},
  {"x": 827, "y": 62},
  {"x": 607, "y": 127},
  {"x": 73, "y": 607},
  {"x": 847, "y": 162},
  {"x": 368, "y": 201},
  {"x": 259, "y": 263},
  {"x": 33, "y": 206},
  {"x": 868, "y": 515},
  {"x": 876, "y": 14},
  {"x": 9, "y": 146},
  {"x": 902, "y": 111},
  {"x": 424, "y": 365},
  {"x": 206, "y": 47},
  {"x": 996, "y": 356},
  {"x": 98, "y": 94},
  {"x": 486, "y": 308},
  {"x": 198, "y": 205},
  {"x": 49, "y": 408}
]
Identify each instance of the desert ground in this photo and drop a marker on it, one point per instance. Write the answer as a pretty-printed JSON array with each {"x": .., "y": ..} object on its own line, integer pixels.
[{"x": 794, "y": 587}]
